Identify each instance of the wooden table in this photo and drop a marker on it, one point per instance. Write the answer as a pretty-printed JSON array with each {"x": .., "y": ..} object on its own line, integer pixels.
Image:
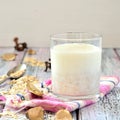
[{"x": 106, "y": 109}]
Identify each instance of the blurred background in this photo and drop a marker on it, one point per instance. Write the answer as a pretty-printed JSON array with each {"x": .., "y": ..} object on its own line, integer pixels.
[{"x": 33, "y": 21}]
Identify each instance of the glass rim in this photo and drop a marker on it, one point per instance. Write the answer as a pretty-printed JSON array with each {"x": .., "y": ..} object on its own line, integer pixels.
[{"x": 91, "y": 36}]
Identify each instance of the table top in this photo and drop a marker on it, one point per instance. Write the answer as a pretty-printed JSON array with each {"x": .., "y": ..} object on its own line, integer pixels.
[{"x": 106, "y": 109}]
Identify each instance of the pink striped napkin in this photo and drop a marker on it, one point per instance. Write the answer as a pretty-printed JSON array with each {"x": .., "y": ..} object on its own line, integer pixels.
[{"x": 52, "y": 103}]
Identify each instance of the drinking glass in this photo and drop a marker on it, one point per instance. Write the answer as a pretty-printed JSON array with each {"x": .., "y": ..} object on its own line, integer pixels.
[{"x": 76, "y": 65}]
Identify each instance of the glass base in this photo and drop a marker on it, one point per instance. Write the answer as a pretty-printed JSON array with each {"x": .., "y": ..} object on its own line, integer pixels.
[{"x": 71, "y": 98}]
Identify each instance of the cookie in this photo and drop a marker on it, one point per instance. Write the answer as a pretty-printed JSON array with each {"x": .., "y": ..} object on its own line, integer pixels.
[
  {"x": 63, "y": 115},
  {"x": 36, "y": 113},
  {"x": 34, "y": 87},
  {"x": 31, "y": 52},
  {"x": 8, "y": 56}
]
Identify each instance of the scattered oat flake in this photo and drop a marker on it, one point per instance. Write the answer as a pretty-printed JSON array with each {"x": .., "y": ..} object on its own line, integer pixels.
[{"x": 34, "y": 62}]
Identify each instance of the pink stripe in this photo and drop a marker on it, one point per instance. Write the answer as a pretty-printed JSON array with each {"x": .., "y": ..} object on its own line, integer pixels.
[
  {"x": 105, "y": 89},
  {"x": 48, "y": 82},
  {"x": 2, "y": 98}
]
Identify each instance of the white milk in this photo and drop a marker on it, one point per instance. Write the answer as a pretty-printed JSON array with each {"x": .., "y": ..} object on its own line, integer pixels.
[{"x": 75, "y": 69}]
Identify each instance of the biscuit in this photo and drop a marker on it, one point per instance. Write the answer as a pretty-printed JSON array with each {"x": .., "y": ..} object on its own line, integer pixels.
[
  {"x": 34, "y": 87},
  {"x": 8, "y": 56},
  {"x": 63, "y": 115},
  {"x": 36, "y": 113},
  {"x": 31, "y": 52}
]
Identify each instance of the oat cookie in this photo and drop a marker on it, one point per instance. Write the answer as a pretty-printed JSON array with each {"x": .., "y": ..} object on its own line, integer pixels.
[
  {"x": 8, "y": 56},
  {"x": 63, "y": 115},
  {"x": 36, "y": 113},
  {"x": 31, "y": 52},
  {"x": 34, "y": 87}
]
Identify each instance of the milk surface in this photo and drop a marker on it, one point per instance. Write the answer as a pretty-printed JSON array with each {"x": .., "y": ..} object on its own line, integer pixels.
[{"x": 75, "y": 69}]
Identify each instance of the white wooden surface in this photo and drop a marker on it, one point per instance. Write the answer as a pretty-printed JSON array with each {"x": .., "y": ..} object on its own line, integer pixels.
[{"x": 106, "y": 109}]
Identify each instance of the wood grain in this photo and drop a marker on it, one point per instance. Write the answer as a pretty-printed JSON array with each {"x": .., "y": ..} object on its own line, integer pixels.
[
  {"x": 108, "y": 108},
  {"x": 7, "y": 65}
]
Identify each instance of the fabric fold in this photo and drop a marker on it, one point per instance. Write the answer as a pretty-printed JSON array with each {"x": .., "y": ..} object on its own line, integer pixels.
[{"x": 52, "y": 103}]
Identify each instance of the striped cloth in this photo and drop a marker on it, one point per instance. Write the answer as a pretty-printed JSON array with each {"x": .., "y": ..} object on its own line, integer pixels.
[{"x": 52, "y": 103}]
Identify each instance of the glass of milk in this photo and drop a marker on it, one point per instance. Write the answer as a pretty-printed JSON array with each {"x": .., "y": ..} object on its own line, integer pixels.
[{"x": 76, "y": 65}]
